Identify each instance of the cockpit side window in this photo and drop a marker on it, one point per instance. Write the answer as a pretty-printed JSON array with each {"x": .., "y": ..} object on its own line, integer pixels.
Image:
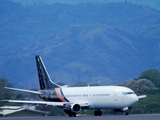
[{"x": 127, "y": 93}]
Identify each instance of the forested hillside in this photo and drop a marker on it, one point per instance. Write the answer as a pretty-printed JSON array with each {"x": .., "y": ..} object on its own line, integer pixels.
[
  {"x": 148, "y": 83},
  {"x": 109, "y": 42}
]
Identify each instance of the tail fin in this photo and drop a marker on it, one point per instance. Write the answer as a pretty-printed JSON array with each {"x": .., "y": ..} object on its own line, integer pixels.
[{"x": 44, "y": 78}]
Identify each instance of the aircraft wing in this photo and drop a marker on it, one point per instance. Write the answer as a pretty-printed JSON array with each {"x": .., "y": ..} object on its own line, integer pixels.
[
  {"x": 56, "y": 104},
  {"x": 23, "y": 90},
  {"x": 35, "y": 102}
]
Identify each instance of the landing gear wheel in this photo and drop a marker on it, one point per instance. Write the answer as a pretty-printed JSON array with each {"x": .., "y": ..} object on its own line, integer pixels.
[
  {"x": 126, "y": 112},
  {"x": 71, "y": 114},
  {"x": 74, "y": 115},
  {"x": 97, "y": 113}
]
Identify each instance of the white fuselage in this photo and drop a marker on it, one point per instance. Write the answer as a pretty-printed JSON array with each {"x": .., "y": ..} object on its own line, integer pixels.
[{"x": 100, "y": 97}]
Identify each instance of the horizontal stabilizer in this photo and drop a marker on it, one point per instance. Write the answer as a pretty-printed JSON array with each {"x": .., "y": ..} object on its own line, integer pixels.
[{"x": 23, "y": 90}]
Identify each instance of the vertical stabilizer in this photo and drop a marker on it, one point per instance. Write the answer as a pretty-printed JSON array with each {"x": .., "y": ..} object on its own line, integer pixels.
[{"x": 44, "y": 78}]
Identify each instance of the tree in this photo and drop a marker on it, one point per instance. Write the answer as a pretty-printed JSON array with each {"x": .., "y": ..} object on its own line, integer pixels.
[
  {"x": 140, "y": 86},
  {"x": 3, "y": 93},
  {"x": 152, "y": 75}
]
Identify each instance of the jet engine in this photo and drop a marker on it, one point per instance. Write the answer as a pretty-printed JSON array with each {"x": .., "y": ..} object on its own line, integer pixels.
[{"x": 76, "y": 108}]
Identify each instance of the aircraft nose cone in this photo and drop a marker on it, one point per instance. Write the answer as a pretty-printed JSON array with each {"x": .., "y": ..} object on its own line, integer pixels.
[{"x": 133, "y": 99}]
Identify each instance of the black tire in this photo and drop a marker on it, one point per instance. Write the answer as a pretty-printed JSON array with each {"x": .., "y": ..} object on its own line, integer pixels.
[
  {"x": 99, "y": 112},
  {"x": 74, "y": 115},
  {"x": 126, "y": 112},
  {"x": 95, "y": 113},
  {"x": 70, "y": 114}
]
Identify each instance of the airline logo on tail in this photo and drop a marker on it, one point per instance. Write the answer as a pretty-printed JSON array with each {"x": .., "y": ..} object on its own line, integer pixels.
[{"x": 44, "y": 78}]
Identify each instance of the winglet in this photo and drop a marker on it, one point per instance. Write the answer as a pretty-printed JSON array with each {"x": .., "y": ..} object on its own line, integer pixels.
[{"x": 44, "y": 78}]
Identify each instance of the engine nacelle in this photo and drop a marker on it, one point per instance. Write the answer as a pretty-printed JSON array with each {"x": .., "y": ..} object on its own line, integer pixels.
[{"x": 76, "y": 108}]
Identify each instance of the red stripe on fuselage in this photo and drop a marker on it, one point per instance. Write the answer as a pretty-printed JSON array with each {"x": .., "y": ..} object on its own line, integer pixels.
[{"x": 59, "y": 95}]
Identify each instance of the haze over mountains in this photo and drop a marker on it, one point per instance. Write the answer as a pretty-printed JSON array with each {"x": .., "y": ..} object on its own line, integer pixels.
[
  {"x": 152, "y": 3},
  {"x": 109, "y": 42}
]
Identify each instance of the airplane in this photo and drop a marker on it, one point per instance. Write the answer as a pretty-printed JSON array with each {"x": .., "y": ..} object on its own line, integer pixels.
[{"x": 72, "y": 100}]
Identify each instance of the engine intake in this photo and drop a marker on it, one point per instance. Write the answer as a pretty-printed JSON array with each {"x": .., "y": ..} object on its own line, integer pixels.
[{"x": 76, "y": 108}]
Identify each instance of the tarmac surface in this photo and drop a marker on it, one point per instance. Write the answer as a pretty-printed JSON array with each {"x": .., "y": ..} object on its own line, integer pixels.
[{"x": 109, "y": 117}]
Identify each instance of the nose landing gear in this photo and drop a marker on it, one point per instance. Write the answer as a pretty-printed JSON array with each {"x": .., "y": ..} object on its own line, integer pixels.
[{"x": 126, "y": 112}]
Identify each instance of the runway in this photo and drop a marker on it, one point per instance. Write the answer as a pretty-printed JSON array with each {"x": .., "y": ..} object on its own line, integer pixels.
[{"x": 110, "y": 117}]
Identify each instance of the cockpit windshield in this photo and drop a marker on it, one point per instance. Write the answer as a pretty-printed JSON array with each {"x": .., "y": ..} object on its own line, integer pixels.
[{"x": 127, "y": 93}]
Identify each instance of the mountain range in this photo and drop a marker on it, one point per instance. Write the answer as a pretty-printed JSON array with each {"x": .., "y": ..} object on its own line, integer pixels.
[
  {"x": 89, "y": 42},
  {"x": 152, "y": 3}
]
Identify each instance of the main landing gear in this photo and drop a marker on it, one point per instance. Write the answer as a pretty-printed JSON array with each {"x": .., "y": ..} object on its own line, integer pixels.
[
  {"x": 97, "y": 112},
  {"x": 70, "y": 113}
]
